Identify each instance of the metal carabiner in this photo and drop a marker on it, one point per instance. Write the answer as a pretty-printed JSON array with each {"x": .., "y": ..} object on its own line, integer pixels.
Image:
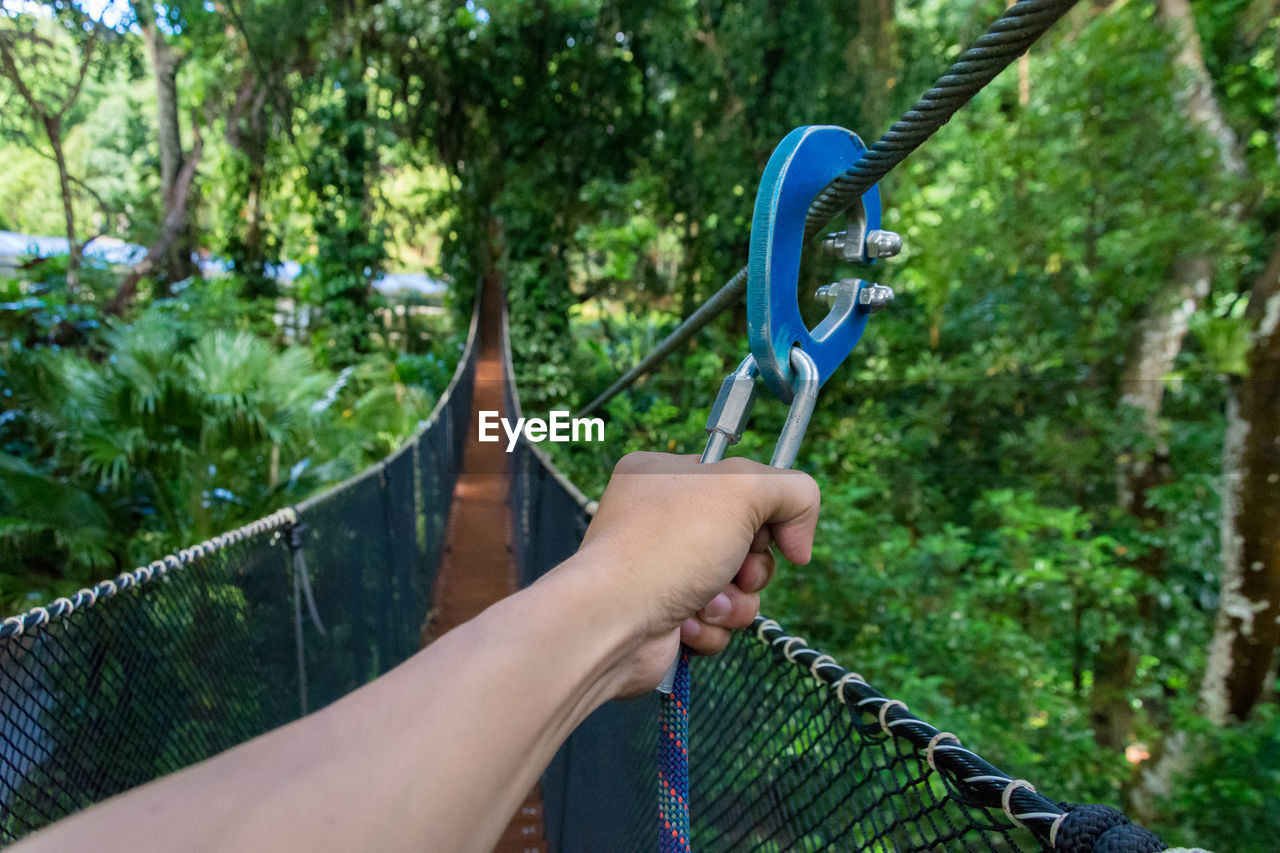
[
  {"x": 806, "y": 160},
  {"x": 728, "y": 420},
  {"x": 732, "y": 408}
]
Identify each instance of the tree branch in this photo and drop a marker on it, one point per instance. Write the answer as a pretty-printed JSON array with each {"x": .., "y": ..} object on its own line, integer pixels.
[
  {"x": 11, "y": 72},
  {"x": 173, "y": 223},
  {"x": 86, "y": 58}
]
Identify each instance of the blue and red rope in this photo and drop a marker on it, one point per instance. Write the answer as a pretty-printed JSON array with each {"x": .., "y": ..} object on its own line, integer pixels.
[{"x": 673, "y": 763}]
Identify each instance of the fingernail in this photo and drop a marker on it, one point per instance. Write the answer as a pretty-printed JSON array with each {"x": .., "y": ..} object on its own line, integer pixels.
[
  {"x": 719, "y": 606},
  {"x": 691, "y": 628}
]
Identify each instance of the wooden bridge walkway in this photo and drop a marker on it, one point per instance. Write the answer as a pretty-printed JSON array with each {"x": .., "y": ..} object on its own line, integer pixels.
[{"x": 479, "y": 565}]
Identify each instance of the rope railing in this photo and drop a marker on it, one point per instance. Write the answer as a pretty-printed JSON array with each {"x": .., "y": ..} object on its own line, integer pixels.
[{"x": 788, "y": 750}]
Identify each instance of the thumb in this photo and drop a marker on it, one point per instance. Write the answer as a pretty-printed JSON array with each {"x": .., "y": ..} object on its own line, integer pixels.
[{"x": 789, "y": 501}]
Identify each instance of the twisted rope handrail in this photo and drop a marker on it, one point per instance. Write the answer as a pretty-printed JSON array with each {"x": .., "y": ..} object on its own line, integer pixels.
[
  {"x": 967, "y": 776},
  {"x": 14, "y": 626}
]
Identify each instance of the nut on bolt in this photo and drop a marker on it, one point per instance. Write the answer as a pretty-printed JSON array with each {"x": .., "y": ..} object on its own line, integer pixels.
[
  {"x": 875, "y": 297},
  {"x": 829, "y": 293},
  {"x": 833, "y": 244},
  {"x": 883, "y": 244}
]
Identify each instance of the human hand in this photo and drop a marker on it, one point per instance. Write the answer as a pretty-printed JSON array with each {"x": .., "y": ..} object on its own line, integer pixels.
[{"x": 689, "y": 546}]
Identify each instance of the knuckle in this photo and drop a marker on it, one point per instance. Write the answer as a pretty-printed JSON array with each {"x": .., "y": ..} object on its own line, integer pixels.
[
  {"x": 633, "y": 461},
  {"x": 808, "y": 487},
  {"x": 738, "y": 465},
  {"x": 713, "y": 642},
  {"x": 811, "y": 485}
]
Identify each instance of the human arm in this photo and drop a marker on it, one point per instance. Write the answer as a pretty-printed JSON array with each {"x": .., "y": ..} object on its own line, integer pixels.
[{"x": 439, "y": 751}]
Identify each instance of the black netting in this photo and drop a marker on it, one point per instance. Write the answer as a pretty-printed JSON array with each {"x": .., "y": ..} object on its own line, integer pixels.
[{"x": 164, "y": 667}]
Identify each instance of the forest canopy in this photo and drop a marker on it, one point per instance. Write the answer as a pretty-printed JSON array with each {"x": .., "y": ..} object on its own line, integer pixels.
[{"x": 1051, "y": 471}]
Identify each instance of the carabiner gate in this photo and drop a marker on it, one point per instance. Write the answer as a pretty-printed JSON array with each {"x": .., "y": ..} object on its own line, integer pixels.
[{"x": 729, "y": 414}]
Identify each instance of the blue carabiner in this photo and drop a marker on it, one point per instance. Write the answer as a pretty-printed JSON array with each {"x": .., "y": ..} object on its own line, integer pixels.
[{"x": 804, "y": 162}]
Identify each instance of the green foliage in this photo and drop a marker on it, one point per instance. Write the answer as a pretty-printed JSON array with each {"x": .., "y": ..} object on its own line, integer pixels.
[
  {"x": 171, "y": 428},
  {"x": 598, "y": 158},
  {"x": 349, "y": 246},
  {"x": 974, "y": 558},
  {"x": 1230, "y": 787}
]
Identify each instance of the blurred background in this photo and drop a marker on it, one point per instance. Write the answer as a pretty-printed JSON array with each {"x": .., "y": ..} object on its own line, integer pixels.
[{"x": 239, "y": 242}]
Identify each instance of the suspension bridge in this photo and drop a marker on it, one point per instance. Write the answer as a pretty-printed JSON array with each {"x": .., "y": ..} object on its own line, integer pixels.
[{"x": 159, "y": 668}]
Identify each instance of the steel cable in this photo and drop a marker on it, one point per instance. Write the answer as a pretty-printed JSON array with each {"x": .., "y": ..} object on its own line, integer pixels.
[{"x": 1005, "y": 40}]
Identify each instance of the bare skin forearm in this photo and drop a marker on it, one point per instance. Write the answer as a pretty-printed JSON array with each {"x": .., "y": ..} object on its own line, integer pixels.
[{"x": 437, "y": 753}]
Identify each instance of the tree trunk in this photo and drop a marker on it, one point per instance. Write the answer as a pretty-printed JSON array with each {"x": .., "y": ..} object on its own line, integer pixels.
[
  {"x": 53, "y": 129},
  {"x": 1159, "y": 337},
  {"x": 1198, "y": 101},
  {"x": 176, "y": 263},
  {"x": 1242, "y": 652},
  {"x": 173, "y": 224},
  {"x": 252, "y": 263},
  {"x": 1242, "y": 655},
  {"x": 1247, "y": 630},
  {"x": 880, "y": 68}
]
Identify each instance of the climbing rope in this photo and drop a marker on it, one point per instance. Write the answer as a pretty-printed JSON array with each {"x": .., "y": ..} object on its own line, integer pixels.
[
  {"x": 673, "y": 763},
  {"x": 1005, "y": 40}
]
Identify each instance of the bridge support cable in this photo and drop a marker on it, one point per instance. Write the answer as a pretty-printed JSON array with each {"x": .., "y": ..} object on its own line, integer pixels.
[{"x": 1005, "y": 40}]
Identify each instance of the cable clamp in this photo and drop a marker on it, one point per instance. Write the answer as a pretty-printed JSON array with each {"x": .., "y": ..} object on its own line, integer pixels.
[
  {"x": 838, "y": 687},
  {"x": 933, "y": 744},
  {"x": 1015, "y": 784}
]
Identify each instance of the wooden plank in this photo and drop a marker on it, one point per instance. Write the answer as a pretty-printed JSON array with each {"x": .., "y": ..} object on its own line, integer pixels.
[{"x": 478, "y": 566}]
